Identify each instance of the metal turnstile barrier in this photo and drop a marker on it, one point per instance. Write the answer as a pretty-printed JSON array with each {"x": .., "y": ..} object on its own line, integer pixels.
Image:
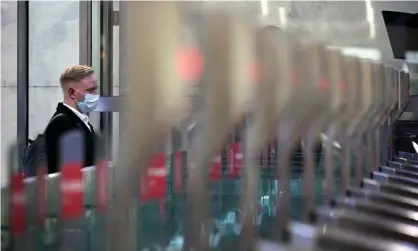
[{"x": 163, "y": 213}]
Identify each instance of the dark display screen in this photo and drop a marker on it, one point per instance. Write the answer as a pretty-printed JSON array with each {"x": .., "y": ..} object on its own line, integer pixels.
[{"x": 402, "y": 29}]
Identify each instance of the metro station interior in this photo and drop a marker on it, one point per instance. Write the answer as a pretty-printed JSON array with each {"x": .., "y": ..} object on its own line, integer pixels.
[{"x": 247, "y": 125}]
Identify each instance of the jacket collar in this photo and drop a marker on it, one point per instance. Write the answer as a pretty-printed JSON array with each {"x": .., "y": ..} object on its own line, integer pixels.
[
  {"x": 62, "y": 109},
  {"x": 83, "y": 117}
]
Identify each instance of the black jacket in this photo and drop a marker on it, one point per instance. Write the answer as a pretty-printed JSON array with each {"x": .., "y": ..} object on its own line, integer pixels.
[{"x": 60, "y": 125}]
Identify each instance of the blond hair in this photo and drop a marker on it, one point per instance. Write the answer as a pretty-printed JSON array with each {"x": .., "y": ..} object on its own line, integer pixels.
[{"x": 75, "y": 73}]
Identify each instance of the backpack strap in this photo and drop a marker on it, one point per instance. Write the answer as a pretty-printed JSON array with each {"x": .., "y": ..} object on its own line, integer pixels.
[
  {"x": 56, "y": 116},
  {"x": 52, "y": 119}
]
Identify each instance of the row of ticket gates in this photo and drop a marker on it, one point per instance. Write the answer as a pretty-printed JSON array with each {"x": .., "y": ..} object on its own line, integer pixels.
[
  {"x": 43, "y": 223},
  {"x": 360, "y": 196}
]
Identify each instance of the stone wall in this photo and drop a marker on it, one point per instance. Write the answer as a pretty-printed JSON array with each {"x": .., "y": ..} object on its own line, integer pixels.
[{"x": 53, "y": 46}]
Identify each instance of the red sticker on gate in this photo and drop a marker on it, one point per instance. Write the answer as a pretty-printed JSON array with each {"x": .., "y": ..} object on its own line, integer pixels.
[
  {"x": 18, "y": 226},
  {"x": 102, "y": 185},
  {"x": 235, "y": 160},
  {"x": 72, "y": 197},
  {"x": 41, "y": 195},
  {"x": 154, "y": 184},
  {"x": 216, "y": 169},
  {"x": 178, "y": 171}
]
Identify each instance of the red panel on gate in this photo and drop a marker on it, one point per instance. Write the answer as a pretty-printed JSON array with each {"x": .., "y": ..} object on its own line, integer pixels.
[
  {"x": 72, "y": 197},
  {"x": 42, "y": 195},
  {"x": 154, "y": 184},
  {"x": 178, "y": 171},
  {"x": 102, "y": 185},
  {"x": 216, "y": 170},
  {"x": 18, "y": 212},
  {"x": 235, "y": 160}
]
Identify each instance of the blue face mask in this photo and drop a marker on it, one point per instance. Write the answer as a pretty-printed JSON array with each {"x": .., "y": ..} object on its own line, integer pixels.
[{"x": 89, "y": 103}]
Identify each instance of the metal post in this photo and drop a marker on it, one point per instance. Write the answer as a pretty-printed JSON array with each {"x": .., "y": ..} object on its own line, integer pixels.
[
  {"x": 85, "y": 33},
  {"x": 22, "y": 76},
  {"x": 106, "y": 68},
  {"x": 96, "y": 39}
]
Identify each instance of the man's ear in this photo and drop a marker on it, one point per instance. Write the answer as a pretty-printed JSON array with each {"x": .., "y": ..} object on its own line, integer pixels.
[{"x": 71, "y": 92}]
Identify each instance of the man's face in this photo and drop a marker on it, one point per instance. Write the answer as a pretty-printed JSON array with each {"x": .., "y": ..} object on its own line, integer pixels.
[{"x": 87, "y": 85}]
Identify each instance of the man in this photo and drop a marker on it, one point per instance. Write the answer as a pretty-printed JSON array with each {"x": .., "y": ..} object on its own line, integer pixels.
[{"x": 80, "y": 88}]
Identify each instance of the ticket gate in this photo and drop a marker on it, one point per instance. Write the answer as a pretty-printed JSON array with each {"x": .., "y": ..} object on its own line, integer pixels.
[{"x": 217, "y": 191}]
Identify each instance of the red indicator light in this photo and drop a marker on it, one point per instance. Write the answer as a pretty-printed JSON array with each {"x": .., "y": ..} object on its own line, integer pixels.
[{"x": 190, "y": 63}]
